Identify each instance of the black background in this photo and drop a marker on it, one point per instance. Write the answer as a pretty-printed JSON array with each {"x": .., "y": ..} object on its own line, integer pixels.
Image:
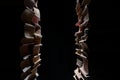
[{"x": 57, "y": 20}]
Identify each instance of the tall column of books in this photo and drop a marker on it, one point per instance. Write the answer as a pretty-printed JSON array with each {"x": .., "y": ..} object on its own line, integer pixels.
[
  {"x": 81, "y": 72},
  {"x": 31, "y": 42}
]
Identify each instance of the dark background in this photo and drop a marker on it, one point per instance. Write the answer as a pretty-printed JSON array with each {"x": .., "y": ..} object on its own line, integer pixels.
[{"x": 57, "y": 20}]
